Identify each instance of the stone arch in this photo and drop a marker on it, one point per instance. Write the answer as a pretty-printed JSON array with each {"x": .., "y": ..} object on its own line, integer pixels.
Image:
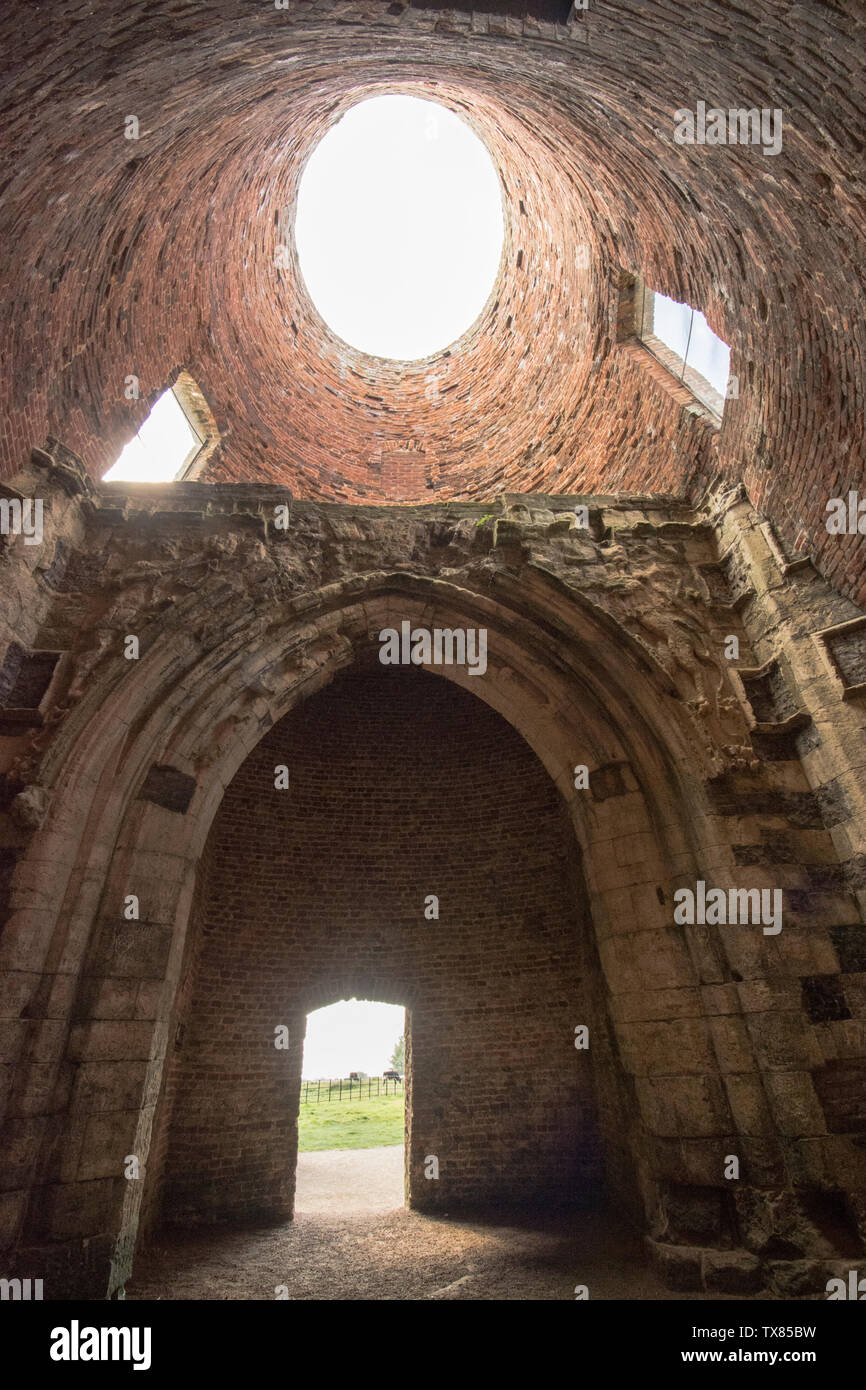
[
  {"x": 172, "y": 710},
  {"x": 494, "y": 988},
  {"x": 198, "y": 716}
]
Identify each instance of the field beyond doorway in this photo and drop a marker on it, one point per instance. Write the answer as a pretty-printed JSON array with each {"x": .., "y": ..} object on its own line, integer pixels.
[{"x": 359, "y": 1123}]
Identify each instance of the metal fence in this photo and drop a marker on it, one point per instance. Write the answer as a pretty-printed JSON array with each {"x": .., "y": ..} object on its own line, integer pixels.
[{"x": 346, "y": 1088}]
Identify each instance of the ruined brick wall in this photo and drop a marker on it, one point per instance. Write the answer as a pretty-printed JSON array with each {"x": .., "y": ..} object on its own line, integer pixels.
[
  {"x": 143, "y": 257},
  {"x": 401, "y": 786}
]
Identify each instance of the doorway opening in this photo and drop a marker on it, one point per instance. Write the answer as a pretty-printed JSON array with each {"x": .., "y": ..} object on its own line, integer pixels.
[{"x": 352, "y": 1109}]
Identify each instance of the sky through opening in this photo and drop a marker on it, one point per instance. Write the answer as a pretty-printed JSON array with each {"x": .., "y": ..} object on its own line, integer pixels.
[
  {"x": 354, "y": 1035},
  {"x": 161, "y": 447},
  {"x": 685, "y": 331},
  {"x": 399, "y": 227}
]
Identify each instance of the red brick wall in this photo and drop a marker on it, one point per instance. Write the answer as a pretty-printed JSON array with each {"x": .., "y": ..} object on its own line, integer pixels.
[
  {"x": 139, "y": 257},
  {"x": 401, "y": 786}
]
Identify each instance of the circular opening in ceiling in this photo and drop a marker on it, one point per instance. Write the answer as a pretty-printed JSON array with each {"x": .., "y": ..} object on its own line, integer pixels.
[{"x": 399, "y": 227}]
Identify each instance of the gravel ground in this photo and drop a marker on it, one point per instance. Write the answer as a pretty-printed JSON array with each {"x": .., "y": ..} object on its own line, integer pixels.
[
  {"x": 340, "y": 1181},
  {"x": 353, "y": 1240}
]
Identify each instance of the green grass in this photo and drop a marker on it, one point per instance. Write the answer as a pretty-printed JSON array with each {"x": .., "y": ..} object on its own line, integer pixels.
[{"x": 351, "y": 1124}]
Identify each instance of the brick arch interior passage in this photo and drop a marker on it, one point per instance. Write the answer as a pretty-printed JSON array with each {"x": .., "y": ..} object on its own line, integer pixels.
[{"x": 401, "y": 786}]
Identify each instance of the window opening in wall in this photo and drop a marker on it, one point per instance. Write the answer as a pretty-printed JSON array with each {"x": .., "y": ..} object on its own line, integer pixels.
[
  {"x": 684, "y": 342},
  {"x": 163, "y": 449},
  {"x": 351, "y": 1118},
  {"x": 399, "y": 228}
]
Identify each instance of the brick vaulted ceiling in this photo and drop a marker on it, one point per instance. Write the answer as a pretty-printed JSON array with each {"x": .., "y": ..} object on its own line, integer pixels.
[{"x": 146, "y": 256}]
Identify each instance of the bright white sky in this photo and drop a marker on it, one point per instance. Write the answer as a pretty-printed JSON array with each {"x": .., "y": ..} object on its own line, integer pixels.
[
  {"x": 399, "y": 227},
  {"x": 707, "y": 353},
  {"x": 159, "y": 449},
  {"x": 351, "y": 1036}
]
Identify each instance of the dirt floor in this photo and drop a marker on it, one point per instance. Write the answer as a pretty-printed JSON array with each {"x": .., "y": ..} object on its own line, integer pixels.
[{"x": 353, "y": 1240}]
